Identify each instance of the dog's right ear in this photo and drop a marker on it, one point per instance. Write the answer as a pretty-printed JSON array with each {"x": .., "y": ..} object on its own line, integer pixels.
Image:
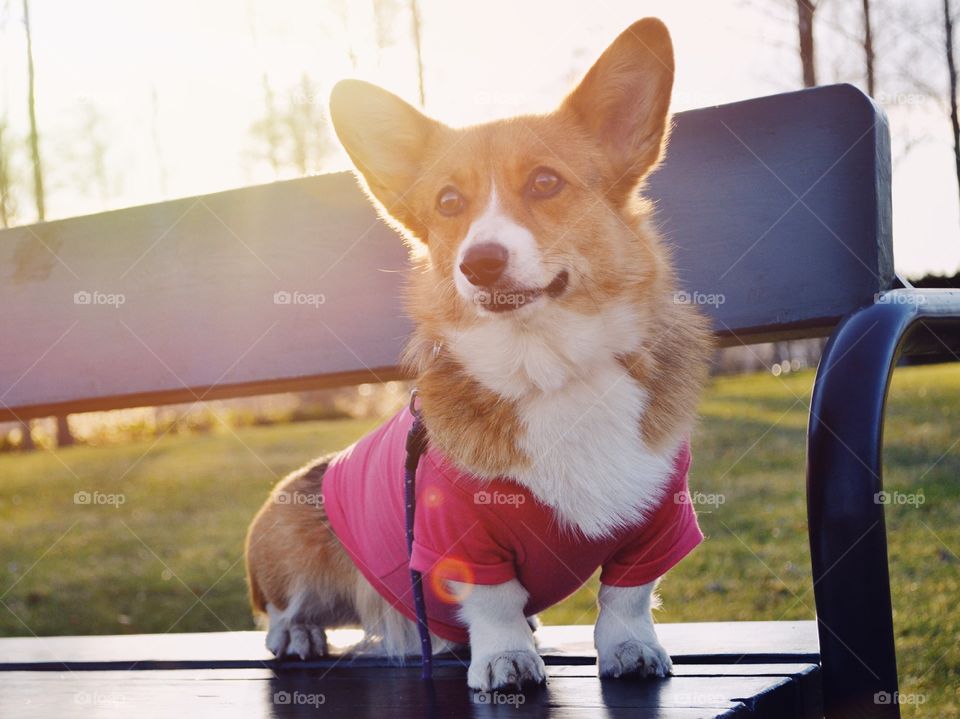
[{"x": 386, "y": 138}]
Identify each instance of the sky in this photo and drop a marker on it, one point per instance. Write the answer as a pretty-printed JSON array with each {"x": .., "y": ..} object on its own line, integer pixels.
[{"x": 141, "y": 101}]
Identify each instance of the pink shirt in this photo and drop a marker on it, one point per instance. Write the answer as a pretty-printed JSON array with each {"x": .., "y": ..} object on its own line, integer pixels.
[{"x": 484, "y": 532}]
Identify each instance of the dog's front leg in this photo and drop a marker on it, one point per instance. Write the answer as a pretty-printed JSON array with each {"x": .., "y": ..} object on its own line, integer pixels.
[
  {"x": 626, "y": 641},
  {"x": 502, "y": 649}
]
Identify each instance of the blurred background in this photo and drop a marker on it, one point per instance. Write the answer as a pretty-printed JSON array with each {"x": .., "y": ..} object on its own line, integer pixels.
[{"x": 111, "y": 103}]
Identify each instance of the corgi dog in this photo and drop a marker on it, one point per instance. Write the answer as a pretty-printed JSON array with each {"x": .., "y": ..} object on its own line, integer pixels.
[{"x": 557, "y": 378}]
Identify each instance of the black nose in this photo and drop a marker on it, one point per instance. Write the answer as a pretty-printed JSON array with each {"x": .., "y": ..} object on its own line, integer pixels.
[{"x": 484, "y": 263}]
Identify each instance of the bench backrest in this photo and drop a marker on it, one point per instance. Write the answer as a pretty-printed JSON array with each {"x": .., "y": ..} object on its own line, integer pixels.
[{"x": 779, "y": 209}]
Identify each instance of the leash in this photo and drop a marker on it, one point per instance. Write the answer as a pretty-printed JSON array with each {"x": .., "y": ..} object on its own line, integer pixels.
[{"x": 416, "y": 446}]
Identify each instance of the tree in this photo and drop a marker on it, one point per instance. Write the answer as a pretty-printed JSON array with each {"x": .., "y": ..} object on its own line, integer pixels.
[
  {"x": 868, "y": 49},
  {"x": 293, "y": 137},
  {"x": 8, "y": 205},
  {"x": 948, "y": 20},
  {"x": 805, "y": 13},
  {"x": 32, "y": 112},
  {"x": 416, "y": 30},
  {"x": 64, "y": 438}
]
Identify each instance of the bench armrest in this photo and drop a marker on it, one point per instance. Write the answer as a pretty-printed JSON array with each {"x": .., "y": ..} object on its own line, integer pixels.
[{"x": 848, "y": 543}]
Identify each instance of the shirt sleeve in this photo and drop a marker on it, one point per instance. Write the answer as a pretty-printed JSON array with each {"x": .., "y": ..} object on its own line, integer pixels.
[
  {"x": 453, "y": 541},
  {"x": 670, "y": 535}
]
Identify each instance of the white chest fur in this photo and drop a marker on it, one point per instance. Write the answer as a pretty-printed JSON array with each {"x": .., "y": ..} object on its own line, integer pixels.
[{"x": 580, "y": 410}]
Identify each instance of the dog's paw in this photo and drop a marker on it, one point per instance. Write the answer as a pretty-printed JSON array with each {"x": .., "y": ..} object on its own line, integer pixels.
[
  {"x": 299, "y": 639},
  {"x": 505, "y": 670},
  {"x": 635, "y": 658}
]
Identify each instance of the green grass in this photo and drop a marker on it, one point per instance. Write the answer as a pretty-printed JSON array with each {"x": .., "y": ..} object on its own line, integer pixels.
[{"x": 170, "y": 557}]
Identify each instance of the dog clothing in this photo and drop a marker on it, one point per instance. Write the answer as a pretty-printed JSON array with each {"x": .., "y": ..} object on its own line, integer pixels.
[{"x": 485, "y": 532}]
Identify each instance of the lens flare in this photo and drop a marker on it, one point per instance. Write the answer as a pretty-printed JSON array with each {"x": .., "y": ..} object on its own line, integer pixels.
[{"x": 450, "y": 569}]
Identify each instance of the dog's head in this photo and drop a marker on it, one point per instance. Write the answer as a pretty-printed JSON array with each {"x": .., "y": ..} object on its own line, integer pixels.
[{"x": 520, "y": 215}]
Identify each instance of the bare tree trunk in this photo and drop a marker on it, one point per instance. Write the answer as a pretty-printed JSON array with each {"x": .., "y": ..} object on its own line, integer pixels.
[
  {"x": 868, "y": 48},
  {"x": 805, "y": 11},
  {"x": 26, "y": 441},
  {"x": 6, "y": 181},
  {"x": 416, "y": 30},
  {"x": 31, "y": 107},
  {"x": 64, "y": 436},
  {"x": 952, "y": 74}
]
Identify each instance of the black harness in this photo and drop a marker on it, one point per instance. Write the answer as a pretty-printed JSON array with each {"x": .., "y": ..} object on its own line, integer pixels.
[{"x": 416, "y": 446}]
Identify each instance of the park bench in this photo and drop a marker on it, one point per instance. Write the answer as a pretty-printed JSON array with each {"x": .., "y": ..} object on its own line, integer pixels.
[{"x": 778, "y": 205}]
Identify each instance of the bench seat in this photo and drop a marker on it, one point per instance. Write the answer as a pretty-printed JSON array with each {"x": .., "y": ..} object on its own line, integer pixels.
[{"x": 762, "y": 669}]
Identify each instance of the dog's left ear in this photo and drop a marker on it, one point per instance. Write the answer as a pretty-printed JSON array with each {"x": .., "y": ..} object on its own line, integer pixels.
[{"x": 624, "y": 102}]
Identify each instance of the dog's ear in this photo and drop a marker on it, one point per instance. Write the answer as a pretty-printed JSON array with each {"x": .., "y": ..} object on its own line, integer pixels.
[
  {"x": 624, "y": 102},
  {"x": 385, "y": 137}
]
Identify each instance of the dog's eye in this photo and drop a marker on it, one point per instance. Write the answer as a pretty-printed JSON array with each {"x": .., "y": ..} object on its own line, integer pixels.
[
  {"x": 450, "y": 202},
  {"x": 544, "y": 182}
]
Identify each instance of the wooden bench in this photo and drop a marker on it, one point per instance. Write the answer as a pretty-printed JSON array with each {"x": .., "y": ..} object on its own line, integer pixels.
[{"x": 779, "y": 209}]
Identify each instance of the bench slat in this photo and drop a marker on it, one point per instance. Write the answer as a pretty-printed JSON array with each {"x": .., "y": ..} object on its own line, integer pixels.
[
  {"x": 198, "y": 276},
  {"x": 688, "y": 643},
  {"x": 394, "y": 692}
]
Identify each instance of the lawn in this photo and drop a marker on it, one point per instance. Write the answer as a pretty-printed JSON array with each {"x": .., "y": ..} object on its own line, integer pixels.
[{"x": 159, "y": 547}]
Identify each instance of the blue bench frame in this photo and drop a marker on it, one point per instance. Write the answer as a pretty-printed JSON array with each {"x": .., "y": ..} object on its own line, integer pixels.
[{"x": 848, "y": 538}]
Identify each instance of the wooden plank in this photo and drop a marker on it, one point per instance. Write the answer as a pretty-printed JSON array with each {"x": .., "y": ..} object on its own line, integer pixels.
[
  {"x": 388, "y": 692},
  {"x": 688, "y": 643},
  {"x": 176, "y": 301}
]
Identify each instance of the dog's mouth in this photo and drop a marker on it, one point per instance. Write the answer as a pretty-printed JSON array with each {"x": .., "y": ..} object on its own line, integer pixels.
[{"x": 509, "y": 298}]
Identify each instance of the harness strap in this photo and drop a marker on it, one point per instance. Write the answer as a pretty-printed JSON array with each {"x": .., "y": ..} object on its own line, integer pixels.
[{"x": 416, "y": 446}]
